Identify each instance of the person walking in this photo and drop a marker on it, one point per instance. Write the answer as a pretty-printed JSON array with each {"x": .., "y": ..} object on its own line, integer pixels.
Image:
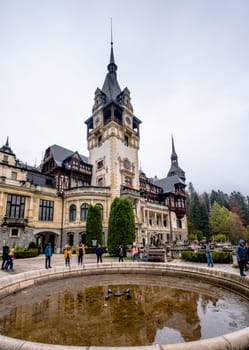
[
  {"x": 121, "y": 253},
  {"x": 145, "y": 254},
  {"x": 67, "y": 255},
  {"x": 48, "y": 254},
  {"x": 80, "y": 252},
  {"x": 242, "y": 256},
  {"x": 208, "y": 253},
  {"x": 5, "y": 254},
  {"x": 10, "y": 261},
  {"x": 99, "y": 253},
  {"x": 134, "y": 252}
]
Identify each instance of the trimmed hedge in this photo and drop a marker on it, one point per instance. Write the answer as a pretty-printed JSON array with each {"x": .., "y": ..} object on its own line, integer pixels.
[
  {"x": 219, "y": 256},
  {"x": 26, "y": 253},
  {"x": 92, "y": 250}
]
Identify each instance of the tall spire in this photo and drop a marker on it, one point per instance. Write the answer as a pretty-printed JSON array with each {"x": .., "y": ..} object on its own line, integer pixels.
[
  {"x": 175, "y": 169},
  {"x": 174, "y": 158},
  {"x": 111, "y": 86},
  {"x": 112, "y": 67}
]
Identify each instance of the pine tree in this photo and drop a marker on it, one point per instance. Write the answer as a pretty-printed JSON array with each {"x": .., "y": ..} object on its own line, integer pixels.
[
  {"x": 94, "y": 230},
  {"x": 239, "y": 206},
  {"x": 121, "y": 226}
]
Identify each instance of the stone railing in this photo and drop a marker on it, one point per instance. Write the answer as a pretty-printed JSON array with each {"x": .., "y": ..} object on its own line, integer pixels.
[{"x": 231, "y": 281}]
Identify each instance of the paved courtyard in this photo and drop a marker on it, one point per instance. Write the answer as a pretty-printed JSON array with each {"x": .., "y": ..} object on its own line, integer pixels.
[{"x": 23, "y": 265}]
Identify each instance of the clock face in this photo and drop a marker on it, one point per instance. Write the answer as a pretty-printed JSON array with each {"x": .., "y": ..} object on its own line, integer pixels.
[
  {"x": 128, "y": 120},
  {"x": 127, "y": 164}
]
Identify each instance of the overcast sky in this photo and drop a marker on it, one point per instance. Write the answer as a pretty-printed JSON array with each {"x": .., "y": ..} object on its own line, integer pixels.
[{"x": 184, "y": 62}]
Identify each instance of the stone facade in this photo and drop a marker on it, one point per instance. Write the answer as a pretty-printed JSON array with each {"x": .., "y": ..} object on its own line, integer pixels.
[{"x": 50, "y": 203}]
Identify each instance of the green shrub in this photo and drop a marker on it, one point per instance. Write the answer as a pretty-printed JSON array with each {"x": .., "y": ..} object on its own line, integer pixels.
[
  {"x": 92, "y": 250},
  {"x": 32, "y": 245},
  {"x": 26, "y": 253},
  {"x": 219, "y": 256}
]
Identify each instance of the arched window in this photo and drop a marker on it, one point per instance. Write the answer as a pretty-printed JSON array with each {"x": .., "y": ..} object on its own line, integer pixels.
[
  {"x": 72, "y": 212},
  {"x": 71, "y": 239},
  {"x": 83, "y": 211},
  {"x": 101, "y": 209}
]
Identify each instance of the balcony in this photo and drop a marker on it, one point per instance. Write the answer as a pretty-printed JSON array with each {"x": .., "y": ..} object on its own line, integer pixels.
[
  {"x": 14, "y": 222},
  {"x": 180, "y": 212},
  {"x": 129, "y": 191}
]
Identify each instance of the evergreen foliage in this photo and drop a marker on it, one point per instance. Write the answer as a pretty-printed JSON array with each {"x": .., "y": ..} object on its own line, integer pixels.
[
  {"x": 198, "y": 220},
  {"x": 94, "y": 230},
  {"x": 221, "y": 257},
  {"x": 121, "y": 226},
  {"x": 218, "y": 213}
]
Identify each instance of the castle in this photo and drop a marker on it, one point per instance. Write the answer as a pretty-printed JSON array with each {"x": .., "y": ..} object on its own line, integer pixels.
[{"x": 50, "y": 203}]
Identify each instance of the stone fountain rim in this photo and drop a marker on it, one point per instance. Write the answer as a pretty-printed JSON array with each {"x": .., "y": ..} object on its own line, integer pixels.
[{"x": 228, "y": 280}]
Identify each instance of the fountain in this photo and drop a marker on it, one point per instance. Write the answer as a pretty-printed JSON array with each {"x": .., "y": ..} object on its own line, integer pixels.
[{"x": 125, "y": 272}]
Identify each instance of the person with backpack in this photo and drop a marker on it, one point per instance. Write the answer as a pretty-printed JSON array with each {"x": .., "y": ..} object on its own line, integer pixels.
[
  {"x": 48, "y": 254},
  {"x": 80, "y": 252},
  {"x": 242, "y": 256}
]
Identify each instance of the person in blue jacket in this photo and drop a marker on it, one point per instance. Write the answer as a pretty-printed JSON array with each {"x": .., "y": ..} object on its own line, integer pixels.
[
  {"x": 48, "y": 253},
  {"x": 242, "y": 256}
]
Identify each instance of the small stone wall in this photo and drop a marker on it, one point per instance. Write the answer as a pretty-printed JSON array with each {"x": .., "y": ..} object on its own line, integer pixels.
[{"x": 238, "y": 340}]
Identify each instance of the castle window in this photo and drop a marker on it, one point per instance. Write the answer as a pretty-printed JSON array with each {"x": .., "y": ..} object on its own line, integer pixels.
[
  {"x": 126, "y": 140},
  {"x": 179, "y": 223},
  {"x": 13, "y": 175},
  {"x": 101, "y": 209},
  {"x": 128, "y": 181},
  {"x": 5, "y": 159},
  {"x": 14, "y": 232},
  {"x": 100, "y": 181},
  {"x": 46, "y": 210},
  {"x": 99, "y": 141},
  {"x": 100, "y": 164},
  {"x": 15, "y": 206},
  {"x": 83, "y": 211},
  {"x": 71, "y": 239},
  {"x": 72, "y": 212}
]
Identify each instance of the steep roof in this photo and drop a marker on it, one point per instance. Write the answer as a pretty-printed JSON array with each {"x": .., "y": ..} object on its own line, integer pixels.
[
  {"x": 168, "y": 183},
  {"x": 61, "y": 153},
  {"x": 6, "y": 148},
  {"x": 111, "y": 87},
  {"x": 40, "y": 179},
  {"x": 175, "y": 168}
]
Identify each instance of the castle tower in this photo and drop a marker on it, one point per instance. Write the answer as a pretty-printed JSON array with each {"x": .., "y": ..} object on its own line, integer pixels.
[
  {"x": 175, "y": 168},
  {"x": 113, "y": 136}
]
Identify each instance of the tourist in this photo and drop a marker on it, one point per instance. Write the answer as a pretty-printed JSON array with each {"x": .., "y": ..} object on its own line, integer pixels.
[
  {"x": 10, "y": 260},
  {"x": 134, "y": 252},
  {"x": 209, "y": 254},
  {"x": 48, "y": 253},
  {"x": 67, "y": 254},
  {"x": 242, "y": 256},
  {"x": 99, "y": 253},
  {"x": 80, "y": 252},
  {"x": 145, "y": 254},
  {"x": 121, "y": 253},
  {"x": 5, "y": 254}
]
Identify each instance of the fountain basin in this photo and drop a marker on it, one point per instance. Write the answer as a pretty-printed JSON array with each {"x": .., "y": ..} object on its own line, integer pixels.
[{"x": 230, "y": 281}]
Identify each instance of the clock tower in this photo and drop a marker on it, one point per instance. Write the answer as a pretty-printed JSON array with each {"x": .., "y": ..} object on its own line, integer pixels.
[{"x": 113, "y": 136}]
